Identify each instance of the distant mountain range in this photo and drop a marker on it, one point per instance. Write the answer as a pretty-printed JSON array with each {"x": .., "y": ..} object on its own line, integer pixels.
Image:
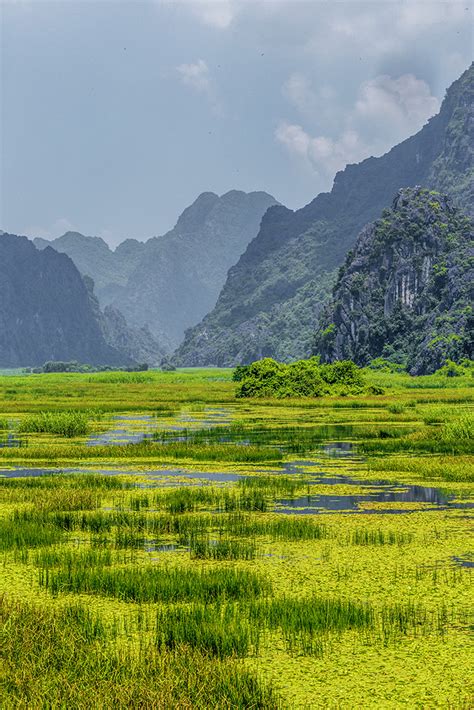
[
  {"x": 169, "y": 283},
  {"x": 273, "y": 296}
]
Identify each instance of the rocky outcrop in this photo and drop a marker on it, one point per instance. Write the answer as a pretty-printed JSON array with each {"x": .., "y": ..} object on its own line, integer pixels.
[
  {"x": 45, "y": 310},
  {"x": 267, "y": 305},
  {"x": 406, "y": 290}
]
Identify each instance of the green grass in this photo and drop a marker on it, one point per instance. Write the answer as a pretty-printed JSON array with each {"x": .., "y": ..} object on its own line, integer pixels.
[
  {"x": 153, "y": 584},
  {"x": 138, "y": 591},
  {"x": 67, "y": 424},
  {"x": 219, "y": 631},
  {"x": 20, "y": 534},
  {"x": 64, "y": 658}
]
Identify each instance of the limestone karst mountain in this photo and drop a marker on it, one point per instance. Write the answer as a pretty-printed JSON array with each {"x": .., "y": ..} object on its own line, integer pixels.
[
  {"x": 406, "y": 290},
  {"x": 45, "y": 310}
]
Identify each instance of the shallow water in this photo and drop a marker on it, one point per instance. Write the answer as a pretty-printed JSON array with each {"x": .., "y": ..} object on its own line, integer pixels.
[
  {"x": 11, "y": 440},
  {"x": 467, "y": 561},
  {"x": 126, "y": 434},
  {"x": 135, "y": 428},
  {"x": 221, "y": 477},
  {"x": 381, "y": 492}
]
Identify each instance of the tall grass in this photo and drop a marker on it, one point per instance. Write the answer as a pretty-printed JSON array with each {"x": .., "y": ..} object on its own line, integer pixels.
[
  {"x": 67, "y": 424},
  {"x": 145, "y": 450},
  {"x": 218, "y": 630},
  {"x": 152, "y": 584},
  {"x": 64, "y": 658},
  {"x": 19, "y": 534},
  {"x": 207, "y": 548},
  {"x": 364, "y": 536},
  {"x": 446, "y": 468}
]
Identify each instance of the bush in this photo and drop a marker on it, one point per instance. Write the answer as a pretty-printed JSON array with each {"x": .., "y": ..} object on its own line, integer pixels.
[
  {"x": 303, "y": 378},
  {"x": 453, "y": 369}
]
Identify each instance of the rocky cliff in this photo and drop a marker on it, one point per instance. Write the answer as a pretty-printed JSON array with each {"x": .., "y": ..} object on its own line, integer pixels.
[
  {"x": 45, "y": 309},
  {"x": 406, "y": 290},
  {"x": 273, "y": 296}
]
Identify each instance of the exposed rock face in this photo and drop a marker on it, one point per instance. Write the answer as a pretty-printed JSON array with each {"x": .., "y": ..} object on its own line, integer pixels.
[
  {"x": 45, "y": 309},
  {"x": 406, "y": 290},
  {"x": 268, "y": 306},
  {"x": 137, "y": 343}
]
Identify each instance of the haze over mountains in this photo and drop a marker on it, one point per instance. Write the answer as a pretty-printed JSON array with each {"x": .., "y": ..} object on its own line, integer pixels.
[
  {"x": 45, "y": 309},
  {"x": 170, "y": 282},
  {"x": 244, "y": 276}
]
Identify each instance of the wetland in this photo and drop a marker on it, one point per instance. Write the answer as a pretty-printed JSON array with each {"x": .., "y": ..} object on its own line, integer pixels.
[{"x": 166, "y": 544}]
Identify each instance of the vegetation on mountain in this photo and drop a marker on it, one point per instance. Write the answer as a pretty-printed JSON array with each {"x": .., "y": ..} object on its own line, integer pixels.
[
  {"x": 45, "y": 310},
  {"x": 168, "y": 283},
  {"x": 406, "y": 291}
]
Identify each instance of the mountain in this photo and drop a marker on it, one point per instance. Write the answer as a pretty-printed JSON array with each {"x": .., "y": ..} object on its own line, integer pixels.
[
  {"x": 179, "y": 276},
  {"x": 170, "y": 282},
  {"x": 45, "y": 309},
  {"x": 406, "y": 290},
  {"x": 93, "y": 257},
  {"x": 272, "y": 298}
]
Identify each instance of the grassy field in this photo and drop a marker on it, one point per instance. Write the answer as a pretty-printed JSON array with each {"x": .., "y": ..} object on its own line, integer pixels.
[{"x": 165, "y": 544}]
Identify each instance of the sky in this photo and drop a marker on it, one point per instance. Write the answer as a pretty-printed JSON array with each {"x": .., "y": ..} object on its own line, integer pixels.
[{"x": 116, "y": 115}]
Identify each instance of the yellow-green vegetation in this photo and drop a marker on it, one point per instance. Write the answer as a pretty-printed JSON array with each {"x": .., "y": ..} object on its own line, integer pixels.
[{"x": 166, "y": 544}]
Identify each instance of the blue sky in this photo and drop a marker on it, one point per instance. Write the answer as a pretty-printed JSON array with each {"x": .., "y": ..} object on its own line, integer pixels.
[{"x": 116, "y": 114}]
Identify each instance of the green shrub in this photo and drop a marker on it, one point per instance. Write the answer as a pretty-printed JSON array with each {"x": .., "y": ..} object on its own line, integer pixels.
[{"x": 303, "y": 378}]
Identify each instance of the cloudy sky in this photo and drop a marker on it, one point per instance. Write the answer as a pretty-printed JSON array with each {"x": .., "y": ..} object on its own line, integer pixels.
[{"x": 116, "y": 114}]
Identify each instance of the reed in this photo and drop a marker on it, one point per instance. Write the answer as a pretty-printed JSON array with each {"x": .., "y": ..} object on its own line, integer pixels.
[
  {"x": 218, "y": 630},
  {"x": 364, "y": 536},
  {"x": 65, "y": 658},
  {"x": 19, "y": 534},
  {"x": 153, "y": 584},
  {"x": 68, "y": 424},
  {"x": 208, "y": 548}
]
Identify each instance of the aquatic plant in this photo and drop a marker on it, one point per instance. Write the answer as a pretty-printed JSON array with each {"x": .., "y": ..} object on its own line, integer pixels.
[
  {"x": 64, "y": 658},
  {"x": 152, "y": 584},
  {"x": 219, "y": 630},
  {"x": 67, "y": 424}
]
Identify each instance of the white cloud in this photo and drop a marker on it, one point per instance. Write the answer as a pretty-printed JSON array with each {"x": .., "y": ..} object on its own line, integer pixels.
[
  {"x": 298, "y": 90},
  {"x": 386, "y": 111},
  {"x": 322, "y": 154},
  {"x": 405, "y": 103},
  {"x": 216, "y": 13},
  {"x": 196, "y": 76}
]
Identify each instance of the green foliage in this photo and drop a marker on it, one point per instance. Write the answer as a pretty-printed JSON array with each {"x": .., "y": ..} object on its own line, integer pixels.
[
  {"x": 68, "y": 424},
  {"x": 303, "y": 378},
  {"x": 453, "y": 369},
  {"x": 381, "y": 363}
]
